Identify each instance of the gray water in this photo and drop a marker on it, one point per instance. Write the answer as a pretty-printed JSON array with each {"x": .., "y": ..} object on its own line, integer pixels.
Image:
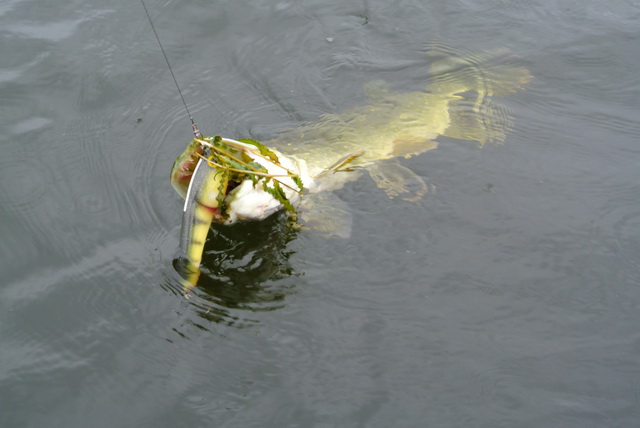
[{"x": 509, "y": 296}]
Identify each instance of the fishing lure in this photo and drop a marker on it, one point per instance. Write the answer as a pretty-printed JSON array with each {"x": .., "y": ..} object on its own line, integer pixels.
[{"x": 210, "y": 168}]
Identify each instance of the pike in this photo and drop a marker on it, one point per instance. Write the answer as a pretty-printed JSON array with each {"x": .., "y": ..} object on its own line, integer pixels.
[
  {"x": 322, "y": 156},
  {"x": 225, "y": 181}
]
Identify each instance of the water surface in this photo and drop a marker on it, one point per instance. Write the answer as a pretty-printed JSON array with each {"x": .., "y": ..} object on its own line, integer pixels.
[{"x": 508, "y": 297}]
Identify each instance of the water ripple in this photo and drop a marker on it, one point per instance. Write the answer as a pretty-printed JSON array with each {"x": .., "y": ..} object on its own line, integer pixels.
[
  {"x": 246, "y": 270},
  {"x": 492, "y": 382},
  {"x": 24, "y": 184}
]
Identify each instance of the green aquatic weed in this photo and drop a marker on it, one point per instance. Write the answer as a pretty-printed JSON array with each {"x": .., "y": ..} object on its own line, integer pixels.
[{"x": 237, "y": 163}]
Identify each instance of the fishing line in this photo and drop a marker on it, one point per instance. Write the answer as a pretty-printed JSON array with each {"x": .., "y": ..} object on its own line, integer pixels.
[{"x": 194, "y": 127}]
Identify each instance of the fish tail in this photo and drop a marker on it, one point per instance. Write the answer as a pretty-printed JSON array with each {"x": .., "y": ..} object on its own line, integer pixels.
[
  {"x": 471, "y": 80},
  {"x": 490, "y": 73},
  {"x": 478, "y": 119}
]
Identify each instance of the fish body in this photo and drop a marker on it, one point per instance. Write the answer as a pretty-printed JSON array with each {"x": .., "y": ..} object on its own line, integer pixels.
[{"x": 326, "y": 154}]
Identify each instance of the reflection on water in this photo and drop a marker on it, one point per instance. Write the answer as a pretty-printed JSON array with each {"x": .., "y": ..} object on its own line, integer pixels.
[{"x": 243, "y": 268}]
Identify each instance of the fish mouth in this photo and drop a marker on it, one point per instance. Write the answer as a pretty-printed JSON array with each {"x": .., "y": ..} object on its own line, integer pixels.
[
  {"x": 231, "y": 185},
  {"x": 221, "y": 214},
  {"x": 232, "y": 177}
]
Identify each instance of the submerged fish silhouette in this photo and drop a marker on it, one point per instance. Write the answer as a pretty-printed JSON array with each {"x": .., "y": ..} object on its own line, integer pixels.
[{"x": 328, "y": 153}]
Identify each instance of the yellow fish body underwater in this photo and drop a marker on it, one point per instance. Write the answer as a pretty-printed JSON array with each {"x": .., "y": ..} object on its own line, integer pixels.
[{"x": 324, "y": 155}]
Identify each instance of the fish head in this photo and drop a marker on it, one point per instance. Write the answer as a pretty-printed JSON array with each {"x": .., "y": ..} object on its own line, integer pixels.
[
  {"x": 183, "y": 167},
  {"x": 253, "y": 194},
  {"x": 255, "y": 200},
  {"x": 249, "y": 201}
]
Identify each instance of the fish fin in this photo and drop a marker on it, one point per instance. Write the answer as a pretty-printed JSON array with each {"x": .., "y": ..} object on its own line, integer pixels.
[
  {"x": 377, "y": 90},
  {"x": 478, "y": 119},
  {"x": 341, "y": 165},
  {"x": 326, "y": 214},
  {"x": 398, "y": 181},
  {"x": 409, "y": 145}
]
